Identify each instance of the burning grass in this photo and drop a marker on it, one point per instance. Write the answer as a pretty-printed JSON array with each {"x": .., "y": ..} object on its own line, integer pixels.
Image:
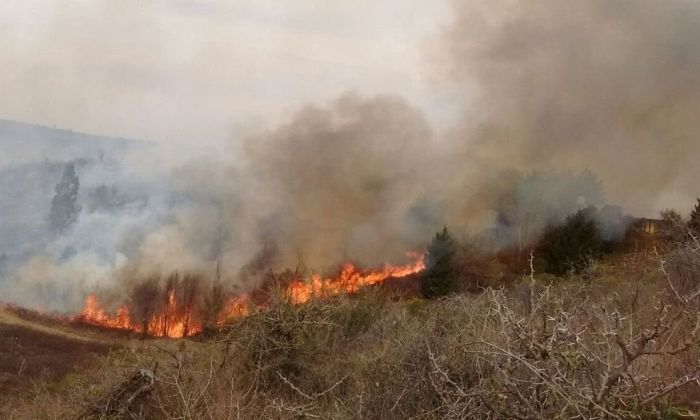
[{"x": 180, "y": 308}]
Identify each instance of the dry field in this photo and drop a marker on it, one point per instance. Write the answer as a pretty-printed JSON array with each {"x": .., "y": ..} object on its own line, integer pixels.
[{"x": 614, "y": 342}]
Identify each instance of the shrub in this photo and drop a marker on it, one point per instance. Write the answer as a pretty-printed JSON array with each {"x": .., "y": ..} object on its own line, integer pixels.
[
  {"x": 477, "y": 269},
  {"x": 571, "y": 246}
]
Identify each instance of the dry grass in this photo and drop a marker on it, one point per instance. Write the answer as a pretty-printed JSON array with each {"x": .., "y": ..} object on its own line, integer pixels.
[
  {"x": 595, "y": 346},
  {"x": 29, "y": 354}
]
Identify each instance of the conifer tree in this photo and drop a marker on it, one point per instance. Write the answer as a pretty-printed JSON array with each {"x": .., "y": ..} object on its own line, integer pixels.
[
  {"x": 64, "y": 205},
  {"x": 440, "y": 276}
]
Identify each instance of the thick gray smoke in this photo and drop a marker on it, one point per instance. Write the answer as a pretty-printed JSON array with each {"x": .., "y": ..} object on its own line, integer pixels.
[
  {"x": 610, "y": 86},
  {"x": 337, "y": 182}
]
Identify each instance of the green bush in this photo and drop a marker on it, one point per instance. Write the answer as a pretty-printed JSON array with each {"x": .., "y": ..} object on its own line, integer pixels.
[{"x": 571, "y": 246}]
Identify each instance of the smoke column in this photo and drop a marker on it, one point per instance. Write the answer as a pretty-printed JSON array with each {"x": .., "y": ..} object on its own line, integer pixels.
[{"x": 610, "y": 86}]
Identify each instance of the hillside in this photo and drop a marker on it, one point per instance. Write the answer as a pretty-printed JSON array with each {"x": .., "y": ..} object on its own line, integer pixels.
[
  {"x": 23, "y": 142},
  {"x": 607, "y": 344},
  {"x": 32, "y": 161}
]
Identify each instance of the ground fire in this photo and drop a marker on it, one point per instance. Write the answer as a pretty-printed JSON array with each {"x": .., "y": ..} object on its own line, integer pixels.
[{"x": 174, "y": 319}]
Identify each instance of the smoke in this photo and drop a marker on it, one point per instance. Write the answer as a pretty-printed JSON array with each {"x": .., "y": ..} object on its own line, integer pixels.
[
  {"x": 610, "y": 86},
  {"x": 336, "y": 182},
  {"x": 566, "y": 105}
]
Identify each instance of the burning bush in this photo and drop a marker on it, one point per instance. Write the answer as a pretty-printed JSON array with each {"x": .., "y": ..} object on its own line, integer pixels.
[
  {"x": 144, "y": 302},
  {"x": 170, "y": 308},
  {"x": 179, "y": 306}
]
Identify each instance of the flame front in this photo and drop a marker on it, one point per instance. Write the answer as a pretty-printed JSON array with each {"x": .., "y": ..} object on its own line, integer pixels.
[
  {"x": 175, "y": 321},
  {"x": 170, "y": 321},
  {"x": 350, "y": 280},
  {"x": 94, "y": 314}
]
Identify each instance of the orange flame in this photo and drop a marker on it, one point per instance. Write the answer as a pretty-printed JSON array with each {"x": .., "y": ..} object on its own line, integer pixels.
[
  {"x": 350, "y": 280},
  {"x": 94, "y": 314},
  {"x": 175, "y": 321},
  {"x": 170, "y": 321}
]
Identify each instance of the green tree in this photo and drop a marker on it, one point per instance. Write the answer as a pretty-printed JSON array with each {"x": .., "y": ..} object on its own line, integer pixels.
[
  {"x": 440, "y": 275},
  {"x": 571, "y": 246},
  {"x": 694, "y": 220},
  {"x": 64, "y": 205}
]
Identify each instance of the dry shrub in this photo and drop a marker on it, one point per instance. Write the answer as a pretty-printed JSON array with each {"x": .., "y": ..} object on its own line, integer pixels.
[
  {"x": 681, "y": 267},
  {"x": 478, "y": 269},
  {"x": 596, "y": 349}
]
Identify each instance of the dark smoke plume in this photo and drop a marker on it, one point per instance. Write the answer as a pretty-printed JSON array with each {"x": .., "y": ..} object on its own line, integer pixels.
[
  {"x": 607, "y": 85},
  {"x": 336, "y": 182}
]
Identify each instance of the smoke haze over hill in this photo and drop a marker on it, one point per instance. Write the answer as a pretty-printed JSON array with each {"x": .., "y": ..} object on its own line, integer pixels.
[{"x": 561, "y": 105}]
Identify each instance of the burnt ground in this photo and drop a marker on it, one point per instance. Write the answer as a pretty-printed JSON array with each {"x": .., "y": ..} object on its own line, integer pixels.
[{"x": 30, "y": 351}]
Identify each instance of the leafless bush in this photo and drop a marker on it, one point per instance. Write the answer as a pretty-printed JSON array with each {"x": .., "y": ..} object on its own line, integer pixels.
[
  {"x": 144, "y": 302},
  {"x": 680, "y": 266},
  {"x": 569, "y": 355},
  {"x": 214, "y": 304},
  {"x": 477, "y": 269},
  {"x": 562, "y": 350}
]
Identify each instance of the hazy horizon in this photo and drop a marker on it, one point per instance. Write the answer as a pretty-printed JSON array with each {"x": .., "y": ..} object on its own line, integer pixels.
[{"x": 207, "y": 72}]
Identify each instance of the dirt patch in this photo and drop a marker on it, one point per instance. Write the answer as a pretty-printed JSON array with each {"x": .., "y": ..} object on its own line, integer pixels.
[{"x": 27, "y": 354}]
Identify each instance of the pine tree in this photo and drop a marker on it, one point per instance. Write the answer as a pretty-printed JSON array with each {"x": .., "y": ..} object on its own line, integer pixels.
[
  {"x": 694, "y": 220},
  {"x": 440, "y": 277},
  {"x": 64, "y": 205}
]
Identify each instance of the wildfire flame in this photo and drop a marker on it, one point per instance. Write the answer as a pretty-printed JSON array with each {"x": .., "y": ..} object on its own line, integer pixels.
[
  {"x": 170, "y": 321},
  {"x": 175, "y": 321},
  {"x": 94, "y": 314},
  {"x": 350, "y": 280}
]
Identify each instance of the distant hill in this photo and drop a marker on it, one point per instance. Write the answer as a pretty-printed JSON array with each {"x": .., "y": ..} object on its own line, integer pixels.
[
  {"x": 32, "y": 160},
  {"x": 22, "y": 142}
]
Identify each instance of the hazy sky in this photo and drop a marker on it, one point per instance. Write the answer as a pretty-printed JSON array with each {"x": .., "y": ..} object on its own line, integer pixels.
[{"x": 199, "y": 71}]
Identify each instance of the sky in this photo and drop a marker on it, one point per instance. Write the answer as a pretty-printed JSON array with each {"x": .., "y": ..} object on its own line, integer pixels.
[{"x": 196, "y": 73}]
